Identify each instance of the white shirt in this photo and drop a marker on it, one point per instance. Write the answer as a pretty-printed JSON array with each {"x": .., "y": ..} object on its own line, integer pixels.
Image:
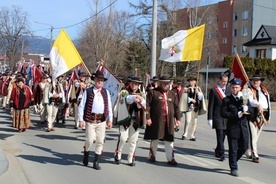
[
  {"x": 55, "y": 92},
  {"x": 262, "y": 100},
  {"x": 99, "y": 107}
]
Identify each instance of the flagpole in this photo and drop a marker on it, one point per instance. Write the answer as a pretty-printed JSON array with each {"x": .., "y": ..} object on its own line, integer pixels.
[
  {"x": 241, "y": 66},
  {"x": 153, "y": 41},
  {"x": 85, "y": 68},
  {"x": 247, "y": 79}
]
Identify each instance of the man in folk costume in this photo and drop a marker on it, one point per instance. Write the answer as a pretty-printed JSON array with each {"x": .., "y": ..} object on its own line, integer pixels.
[
  {"x": 162, "y": 110},
  {"x": 218, "y": 123},
  {"x": 262, "y": 114},
  {"x": 56, "y": 96},
  {"x": 178, "y": 89},
  {"x": 60, "y": 115},
  {"x": 65, "y": 108},
  {"x": 21, "y": 99},
  {"x": 76, "y": 94},
  {"x": 153, "y": 84},
  {"x": 95, "y": 109},
  {"x": 1, "y": 84},
  {"x": 129, "y": 129},
  {"x": 12, "y": 84},
  {"x": 194, "y": 102},
  {"x": 4, "y": 89},
  {"x": 45, "y": 88}
]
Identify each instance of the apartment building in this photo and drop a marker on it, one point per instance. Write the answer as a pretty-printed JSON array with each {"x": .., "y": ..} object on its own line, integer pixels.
[{"x": 229, "y": 24}]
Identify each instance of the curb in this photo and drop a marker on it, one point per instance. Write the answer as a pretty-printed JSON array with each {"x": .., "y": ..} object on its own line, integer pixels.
[{"x": 4, "y": 163}]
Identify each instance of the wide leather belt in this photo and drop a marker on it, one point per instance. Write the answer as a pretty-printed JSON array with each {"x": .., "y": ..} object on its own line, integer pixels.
[{"x": 97, "y": 118}]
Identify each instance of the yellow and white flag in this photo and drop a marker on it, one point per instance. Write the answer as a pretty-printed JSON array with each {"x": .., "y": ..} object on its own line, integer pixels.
[
  {"x": 64, "y": 55},
  {"x": 184, "y": 45}
]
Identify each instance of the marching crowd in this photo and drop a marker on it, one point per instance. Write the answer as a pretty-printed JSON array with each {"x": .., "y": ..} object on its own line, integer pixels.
[{"x": 160, "y": 109}]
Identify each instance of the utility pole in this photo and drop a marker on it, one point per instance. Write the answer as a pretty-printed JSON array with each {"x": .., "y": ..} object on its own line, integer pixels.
[
  {"x": 154, "y": 36},
  {"x": 207, "y": 76},
  {"x": 51, "y": 32},
  {"x": 51, "y": 37},
  {"x": 22, "y": 49}
]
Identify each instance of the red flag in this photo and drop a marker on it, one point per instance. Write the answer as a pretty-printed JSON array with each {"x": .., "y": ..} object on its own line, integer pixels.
[
  {"x": 73, "y": 77},
  {"x": 238, "y": 71},
  {"x": 37, "y": 75}
]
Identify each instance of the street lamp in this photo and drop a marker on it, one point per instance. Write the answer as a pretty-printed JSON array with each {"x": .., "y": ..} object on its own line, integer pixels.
[{"x": 51, "y": 35}]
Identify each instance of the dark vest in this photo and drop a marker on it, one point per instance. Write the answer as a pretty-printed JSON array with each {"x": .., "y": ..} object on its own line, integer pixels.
[{"x": 89, "y": 104}]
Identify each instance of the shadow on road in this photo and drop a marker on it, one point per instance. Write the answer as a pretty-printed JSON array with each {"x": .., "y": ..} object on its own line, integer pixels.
[
  {"x": 59, "y": 137},
  {"x": 57, "y": 158}
]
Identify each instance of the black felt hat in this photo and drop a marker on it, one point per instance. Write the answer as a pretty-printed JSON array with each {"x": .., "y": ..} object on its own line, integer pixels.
[
  {"x": 98, "y": 74},
  {"x": 136, "y": 79},
  {"x": 154, "y": 79},
  {"x": 164, "y": 79},
  {"x": 256, "y": 77}
]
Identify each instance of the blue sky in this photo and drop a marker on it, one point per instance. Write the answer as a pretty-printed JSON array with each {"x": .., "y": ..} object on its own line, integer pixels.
[
  {"x": 62, "y": 13},
  {"x": 59, "y": 13}
]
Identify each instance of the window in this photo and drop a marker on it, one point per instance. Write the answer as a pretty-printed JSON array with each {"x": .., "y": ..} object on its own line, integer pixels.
[
  {"x": 245, "y": 15},
  {"x": 261, "y": 53},
  {"x": 209, "y": 20},
  {"x": 225, "y": 25},
  {"x": 224, "y": 41},
  {"x": 235, "y": 17},
  {"x": 244, "y": 31},
  {"x": 234, "y": 49},
  {"x": 235, "y": 32},
  {"x": 216, "y": 34},
  {"x": 244, "y": 49},
  {"x": 217, "y": 18},
  {"x": 209, "y": 36},
  {"x": 207, "y": 51}
]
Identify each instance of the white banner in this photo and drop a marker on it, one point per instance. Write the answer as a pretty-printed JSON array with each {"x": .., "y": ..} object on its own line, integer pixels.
[{"x": 112, "y": 84}]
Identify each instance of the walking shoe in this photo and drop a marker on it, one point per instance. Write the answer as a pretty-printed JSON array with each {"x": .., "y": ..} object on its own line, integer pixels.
[
  {"x": 183, "y": 137},
  {"x": 222, "y": 158},
  {"x": 116, "y": 160},
  {"x": 234, "y": 172},
  {"x": 255, "y": 159},
  {"x": 172, "y": 162},
  {"x": 152, "y": 159},
  {"x": 132, "y": 164},
  {"x": 85, "y": 158},
  {"x": 193, "y": 139},
  {"x": 96, "y": 162}
]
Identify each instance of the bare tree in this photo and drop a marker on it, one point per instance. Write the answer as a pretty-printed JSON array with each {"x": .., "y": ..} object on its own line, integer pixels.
[
  {"x": 106, "y": 37},
  {"x": 14, "y": 25}
]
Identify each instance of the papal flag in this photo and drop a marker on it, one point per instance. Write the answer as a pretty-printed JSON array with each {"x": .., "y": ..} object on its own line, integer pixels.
[
  {"x": 184, "y": 45},
  {"x": 64, "y": 55}
]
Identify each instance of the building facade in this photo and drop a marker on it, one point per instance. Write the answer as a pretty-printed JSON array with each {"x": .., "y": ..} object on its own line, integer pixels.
[{"x": 230, "y": 24}]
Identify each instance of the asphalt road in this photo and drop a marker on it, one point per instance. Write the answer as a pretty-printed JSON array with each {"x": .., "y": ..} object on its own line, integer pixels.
[{"x": 38, "y": 157}]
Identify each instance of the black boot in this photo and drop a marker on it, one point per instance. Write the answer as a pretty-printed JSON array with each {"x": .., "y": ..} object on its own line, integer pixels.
[
  {"x": 116, "y": 159},
  {"x": 96, "y": 162},
  {"x": 85, "y": 158}
]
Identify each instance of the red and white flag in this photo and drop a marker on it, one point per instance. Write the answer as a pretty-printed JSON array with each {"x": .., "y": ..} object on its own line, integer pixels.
[
  {"x": 37, "y": 75},
  {"x": 238, "y": 71}
]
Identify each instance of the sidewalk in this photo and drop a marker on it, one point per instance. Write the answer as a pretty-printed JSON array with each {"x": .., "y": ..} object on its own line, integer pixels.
[{"x": 4, "y": 163}]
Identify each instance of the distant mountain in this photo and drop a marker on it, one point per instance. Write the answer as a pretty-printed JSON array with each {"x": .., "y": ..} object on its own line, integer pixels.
[{"x": 40, "y": 45}]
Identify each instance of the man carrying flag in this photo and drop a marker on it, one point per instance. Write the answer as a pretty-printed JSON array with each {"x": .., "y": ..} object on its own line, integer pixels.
[{"x": 262, "y": 113}]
